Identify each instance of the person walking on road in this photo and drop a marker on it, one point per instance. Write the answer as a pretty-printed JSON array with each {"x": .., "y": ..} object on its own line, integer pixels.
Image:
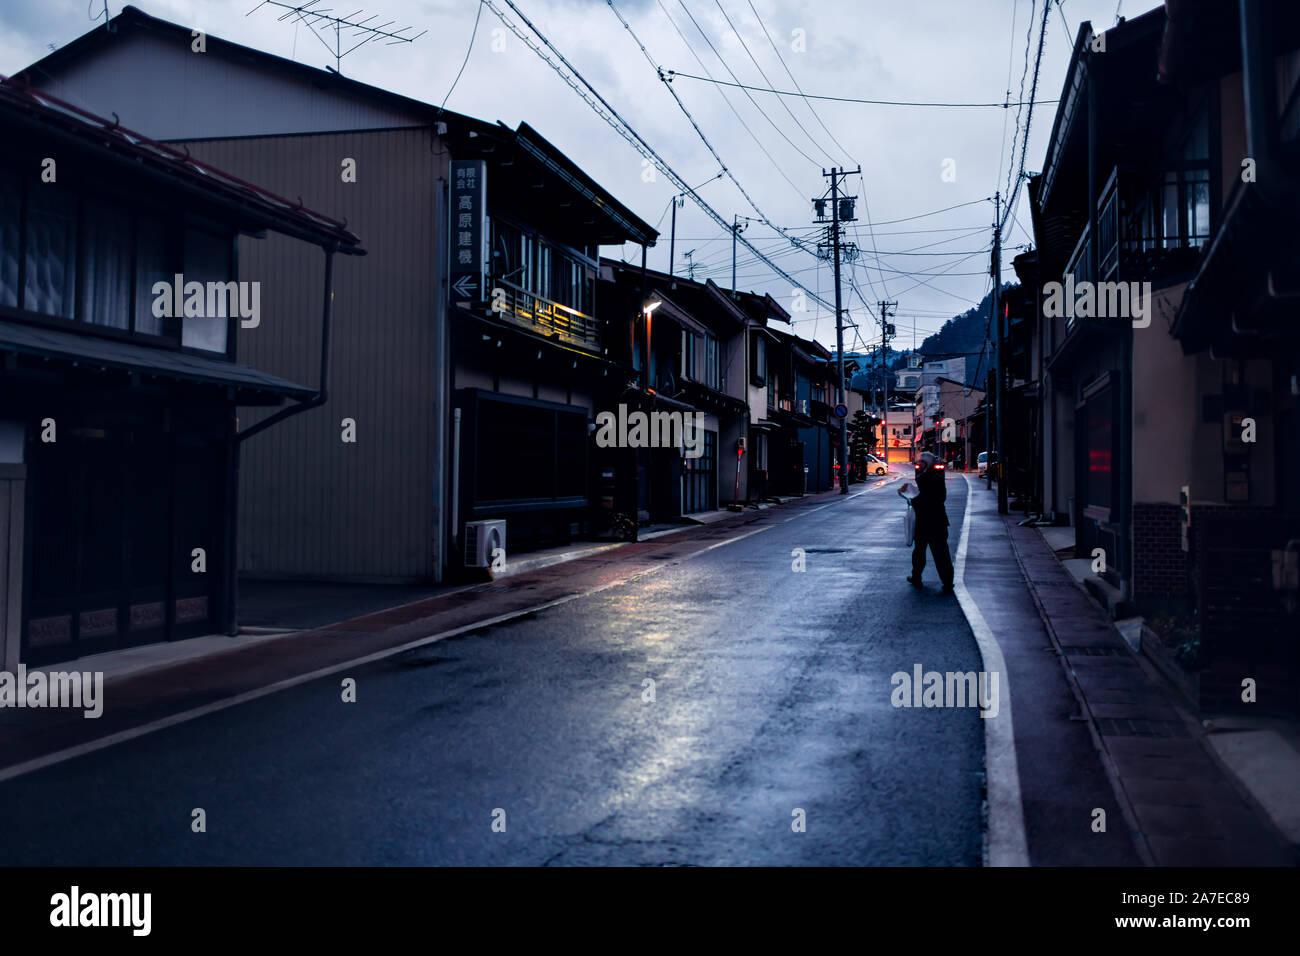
[{"x": 931, "y": 522}]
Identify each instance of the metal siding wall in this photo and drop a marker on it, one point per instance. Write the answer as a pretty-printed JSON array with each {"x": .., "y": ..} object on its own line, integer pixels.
[{"x": 310, "y": 504}]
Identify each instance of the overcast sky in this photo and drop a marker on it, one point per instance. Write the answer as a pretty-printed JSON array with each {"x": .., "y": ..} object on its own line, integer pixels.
[{"x": 917, "y": 50}]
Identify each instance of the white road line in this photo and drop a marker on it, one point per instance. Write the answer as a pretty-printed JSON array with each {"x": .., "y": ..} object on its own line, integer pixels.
[
  {"x": 90, "y": 746},
  {"x": 1007, "y": 845},
  {"x": 840, "y": 499}
]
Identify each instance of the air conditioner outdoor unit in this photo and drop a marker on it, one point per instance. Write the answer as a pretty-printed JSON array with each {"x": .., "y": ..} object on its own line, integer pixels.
[{"x": 481, "y": 539}]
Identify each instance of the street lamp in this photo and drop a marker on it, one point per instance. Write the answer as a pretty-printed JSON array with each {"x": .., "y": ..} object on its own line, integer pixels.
[{"x": 646, "y": 310}]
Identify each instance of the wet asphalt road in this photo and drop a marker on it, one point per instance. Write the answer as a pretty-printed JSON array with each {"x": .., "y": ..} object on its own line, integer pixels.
[{"x": 771, "y": 694}]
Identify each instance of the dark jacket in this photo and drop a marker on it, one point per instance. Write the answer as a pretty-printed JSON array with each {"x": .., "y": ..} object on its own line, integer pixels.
[{"x": 931, "y": 518}]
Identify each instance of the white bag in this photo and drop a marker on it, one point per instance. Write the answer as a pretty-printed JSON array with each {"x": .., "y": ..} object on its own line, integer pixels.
[{"x": 909, "y": 526}]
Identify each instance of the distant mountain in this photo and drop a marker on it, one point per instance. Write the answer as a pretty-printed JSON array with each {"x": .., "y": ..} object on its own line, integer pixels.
[{"x": 964, "y": 335}]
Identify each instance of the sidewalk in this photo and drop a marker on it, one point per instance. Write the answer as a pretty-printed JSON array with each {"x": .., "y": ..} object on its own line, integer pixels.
[
  {"x": 1184, "y": 808},
  {"x": 1063, "y": 777},
  {"x": 179, "y": 687}
]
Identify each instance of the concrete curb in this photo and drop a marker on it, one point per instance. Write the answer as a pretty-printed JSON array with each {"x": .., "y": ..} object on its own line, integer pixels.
[{"x": 1107, "y": 761}]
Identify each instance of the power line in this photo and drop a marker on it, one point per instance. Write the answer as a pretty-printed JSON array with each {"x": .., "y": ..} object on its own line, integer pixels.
[
  {"x": 726, "y": 99},
  {"x": 762, "y": 216},
  {"x": 1029, "y": 116},
  {"x": 777, "y": 50},
  {"x": 761, "y": 73},
  {"x": 469, "y": 49},
  {"x": 908, "y": 273},
  {"x": 896, "y": 232},
  {"x": 924, "y": 215},
  {"x": 1011, "y": 58},
  {"x": 666, "y": 75},
  {"x": 1029, "y": 35},
  {"x": 928, "y": 283},
  {"x": 1060, "y": 8},
  {"x": 578, "y": 83},
  {"x": 673, "y": 74},
  {"x": 704, "y": 139}
]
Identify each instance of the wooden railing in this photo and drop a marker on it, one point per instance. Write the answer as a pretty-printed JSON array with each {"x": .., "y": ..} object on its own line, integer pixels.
[{"x": 546, "y": 316}]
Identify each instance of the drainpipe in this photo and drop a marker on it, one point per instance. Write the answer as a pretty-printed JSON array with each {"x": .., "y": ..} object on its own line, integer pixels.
[
  {"x": 230, "y": 561},
  {"x": 322, "y": 394},
  {"x": 455, "y": 475},
  {"x": 1258, "y": 80},
  {"x": 645, "y": 386},
  {"x": 1258, "y": 86},
  {"x": 645, "y": 356}
]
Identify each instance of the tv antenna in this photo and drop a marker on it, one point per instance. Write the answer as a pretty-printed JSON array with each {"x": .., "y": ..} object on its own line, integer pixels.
[{"x": 320, "y": 21}]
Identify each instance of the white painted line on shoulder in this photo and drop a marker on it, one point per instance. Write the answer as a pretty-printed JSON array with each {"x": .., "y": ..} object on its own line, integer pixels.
[
  {"x": 122, "y": 736},
  {"x": 1007, "y": 845}
]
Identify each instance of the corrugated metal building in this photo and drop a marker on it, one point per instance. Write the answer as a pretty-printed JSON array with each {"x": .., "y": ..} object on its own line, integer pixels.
[{"x": 380, "y": 506}]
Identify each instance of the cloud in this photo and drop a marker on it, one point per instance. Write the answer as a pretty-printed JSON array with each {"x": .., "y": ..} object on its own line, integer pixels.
[{"x": 933, "y": 50}]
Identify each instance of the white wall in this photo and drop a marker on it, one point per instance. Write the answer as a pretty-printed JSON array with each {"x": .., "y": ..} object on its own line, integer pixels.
[{"x": 207, "y": 95}]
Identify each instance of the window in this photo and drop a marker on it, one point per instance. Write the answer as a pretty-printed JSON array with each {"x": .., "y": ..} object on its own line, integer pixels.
[
  {"x": 106, "y": 266},
  {"x": 51, "y": 253},
  {"x": 150, "y": 266},
  {"x": 541, "y": 269},
  {"x": 523, "y": 258},
  {"x": 1185, "y": 208},
  {"x": 699, "y": 482},
  {"x": 1098, "y": 410},
  {"x": 527, "y": 252},
  {"x": 91, "y": 260},
  {"x": 573, "y": 283},
  {"x": 1176, "y": 213},
  {"x": 712, "y": 370},
  {"x": 1289, "y": 94},
  {"x": 506, "y": 246},
  {"x": 527, "y": 452},
  {"x": 11, "y": 210},
  {"x": 688, "y": 355},
  {"x": 208, "y": 259},
  {"x": 759, "y": 359}
]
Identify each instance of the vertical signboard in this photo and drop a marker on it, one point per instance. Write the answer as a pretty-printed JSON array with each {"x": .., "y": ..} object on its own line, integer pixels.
[{"x": 468, "y": 229}]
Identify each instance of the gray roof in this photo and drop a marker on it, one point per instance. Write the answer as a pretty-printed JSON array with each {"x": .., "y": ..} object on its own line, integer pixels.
[{"x": 94, "y": 350}]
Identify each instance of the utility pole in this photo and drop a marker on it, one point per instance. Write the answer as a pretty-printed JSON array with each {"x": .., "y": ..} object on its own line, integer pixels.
[
  {"x": 736, "y": 230},
  {"x": 965, "y": 424},
  {"x": 839, "y": 214},
  {"x": 690, "y": 264},
  {"x": 997, "y": 319},
  {"x": 672, "y": 236},
  {"x": 886, "y": 331}
]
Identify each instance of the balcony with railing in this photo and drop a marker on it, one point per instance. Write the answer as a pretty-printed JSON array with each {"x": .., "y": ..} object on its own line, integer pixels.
[
  {"x": 1154, "y": 233},
  {"x": 545, "y": 316}
]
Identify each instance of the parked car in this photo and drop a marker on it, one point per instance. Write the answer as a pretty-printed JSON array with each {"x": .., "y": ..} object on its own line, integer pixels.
[
  {"x": 984, "y": 460},
  {"x": 875, "y": 466}
]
